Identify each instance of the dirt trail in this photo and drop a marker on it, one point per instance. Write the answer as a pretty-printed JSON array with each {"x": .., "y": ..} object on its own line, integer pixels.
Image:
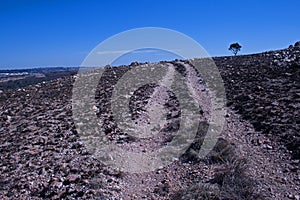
[
  {"x": 153, "y": 120},
  {"x": 164, "y": 181},
  {"x": 264, "y": 165}
]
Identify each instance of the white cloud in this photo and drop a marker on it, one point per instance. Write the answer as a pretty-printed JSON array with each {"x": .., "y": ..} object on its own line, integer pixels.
[
  {"x": 113, "y": 52},
  {"x": 145, "y": 50},
  {"x": 134, "y": 51}
]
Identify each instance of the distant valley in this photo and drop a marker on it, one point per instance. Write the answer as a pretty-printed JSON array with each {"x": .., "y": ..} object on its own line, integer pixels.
[{"x": 17, "y": 78}]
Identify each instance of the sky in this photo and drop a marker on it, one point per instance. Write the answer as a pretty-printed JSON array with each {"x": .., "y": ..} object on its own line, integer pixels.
[
  {"x": 63, "y": 32},
  {"x": 144, "y": 55}
]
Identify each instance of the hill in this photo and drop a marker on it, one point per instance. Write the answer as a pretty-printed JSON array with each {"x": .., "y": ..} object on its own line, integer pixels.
[{"x": 256, "y": 157}]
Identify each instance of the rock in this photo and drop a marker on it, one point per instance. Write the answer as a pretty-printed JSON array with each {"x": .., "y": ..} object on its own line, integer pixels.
[
  {"x": 133, "y": 64},
  {"x": 269, "y": 147},
  {"x": 8, "y": 119},
  {"x": 291, "y": 196},
  {"x": 175, "y": 114},
  {"x": 73, "y": 177}
]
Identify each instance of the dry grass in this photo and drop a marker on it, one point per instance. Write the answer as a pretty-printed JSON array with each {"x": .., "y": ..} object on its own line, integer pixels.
[
  {"x": 234, "y": 183},
  {"x": 203, "y": 191},
  {"x": 223, "y": 152},
  {"x": 230, "y": 181}
]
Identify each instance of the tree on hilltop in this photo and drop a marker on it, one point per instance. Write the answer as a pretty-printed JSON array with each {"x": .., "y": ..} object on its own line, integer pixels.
[{"x": 235, "y": 48}]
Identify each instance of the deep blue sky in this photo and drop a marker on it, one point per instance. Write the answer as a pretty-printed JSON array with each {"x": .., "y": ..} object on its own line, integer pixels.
[{"x": 61, "y": 33}]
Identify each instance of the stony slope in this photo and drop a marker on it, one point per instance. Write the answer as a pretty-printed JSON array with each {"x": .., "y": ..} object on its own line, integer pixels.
[
  {"x": 265, "y": 89},
  {"x": 42, "y": 156}
]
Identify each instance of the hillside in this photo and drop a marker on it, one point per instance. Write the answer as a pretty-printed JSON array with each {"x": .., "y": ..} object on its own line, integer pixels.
[{"x": 256, "y": 157}]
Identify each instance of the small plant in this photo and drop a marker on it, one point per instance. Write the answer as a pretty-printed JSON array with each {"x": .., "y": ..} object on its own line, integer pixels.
[
  {"x": 204, "y": 191},
  {"x": 223, "y": 152},
  {"x": 234, "y": 183},
  {"x": 235, "y": 48}
]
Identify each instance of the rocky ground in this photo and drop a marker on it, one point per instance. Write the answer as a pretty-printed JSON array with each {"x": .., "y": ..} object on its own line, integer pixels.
[
  {"x": 256, "y": 156},
  {"x": 264, "y": 89}
]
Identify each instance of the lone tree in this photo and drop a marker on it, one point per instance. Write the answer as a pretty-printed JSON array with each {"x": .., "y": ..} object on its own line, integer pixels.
[{"x": 235, "y": 48}]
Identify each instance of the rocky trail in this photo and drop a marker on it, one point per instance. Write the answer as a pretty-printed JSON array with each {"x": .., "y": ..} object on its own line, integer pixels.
[{"x": 256, "y": 155}]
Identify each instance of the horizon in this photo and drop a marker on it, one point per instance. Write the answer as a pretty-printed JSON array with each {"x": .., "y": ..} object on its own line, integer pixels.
[
  {"x": 124, "y": 60},
  {"x": 62, "y": 33}
]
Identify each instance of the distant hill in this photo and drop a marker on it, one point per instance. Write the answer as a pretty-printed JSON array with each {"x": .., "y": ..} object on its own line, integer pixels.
[{"x": 18, "y": 78}]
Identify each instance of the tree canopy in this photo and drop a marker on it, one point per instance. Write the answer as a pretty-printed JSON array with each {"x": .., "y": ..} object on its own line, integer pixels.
[{"x": 235, "y": 48}]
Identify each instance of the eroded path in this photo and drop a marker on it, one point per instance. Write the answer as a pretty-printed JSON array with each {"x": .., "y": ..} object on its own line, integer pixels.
[{"x": 264, "y": 167}]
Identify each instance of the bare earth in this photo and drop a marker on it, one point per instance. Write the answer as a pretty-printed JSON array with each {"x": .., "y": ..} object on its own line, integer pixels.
[{"x": 256, "y": 156}]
